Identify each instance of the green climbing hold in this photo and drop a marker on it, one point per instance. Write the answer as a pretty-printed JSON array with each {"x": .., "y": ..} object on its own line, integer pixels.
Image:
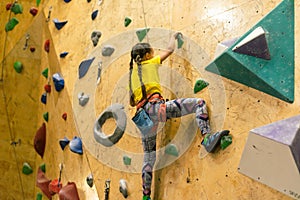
[
  {"x": 141, "y": 33},
  {"x": 46, "y": 116},
  {"x": 127, "y": 21},
  {"x": 38, "y": 2},
  {"x": 179, "y": 41},
  {"x": 17, "y": 8},
  {"x": 226, "y": 141},
  {"x": 18, "y": 66},
  {"x": 11, "y": 24},
  {"x": 171, "y": 149},
  {"x": 39, "y": 196},
  {"x": 126, "y": 160},
  {"x": 43, "y": 167},
  {"x": 45, "y": 73},
  {"x": 26, "y": 168},
  {"x": 200, "y": 85}
]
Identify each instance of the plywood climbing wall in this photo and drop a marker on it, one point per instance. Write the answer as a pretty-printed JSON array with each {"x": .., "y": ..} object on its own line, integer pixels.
[{"x": 204, "y": 24}]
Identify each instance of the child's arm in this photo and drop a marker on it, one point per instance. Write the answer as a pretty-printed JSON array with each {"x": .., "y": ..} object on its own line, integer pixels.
[{"x": 170, "y": 49}]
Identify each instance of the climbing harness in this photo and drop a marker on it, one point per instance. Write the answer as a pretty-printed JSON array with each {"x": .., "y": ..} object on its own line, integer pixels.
[{"x": 115, "y": 111}]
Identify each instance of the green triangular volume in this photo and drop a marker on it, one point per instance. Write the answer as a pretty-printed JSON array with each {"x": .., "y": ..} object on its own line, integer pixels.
[
  {"x": 274, "y": 77},
  {"x": 141, "y": 33}
]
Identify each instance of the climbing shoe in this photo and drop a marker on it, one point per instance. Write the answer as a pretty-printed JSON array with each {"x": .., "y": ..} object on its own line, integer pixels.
[
  {"x": 211, "y": 141},
  {"x": 145, "y": 197}
]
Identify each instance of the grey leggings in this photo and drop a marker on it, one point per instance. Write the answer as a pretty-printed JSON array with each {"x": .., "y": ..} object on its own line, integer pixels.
[{"x": 172, "y": 109}]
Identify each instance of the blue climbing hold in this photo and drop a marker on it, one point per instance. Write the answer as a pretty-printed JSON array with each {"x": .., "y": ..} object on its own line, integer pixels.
[
  {"x": 44, "y": 98},
  {"x": 58, "y": 81},
  {"x": 84, "y": 67},
  {"x": 64, "y": 142},
  {"x": 76, "y": 145},
  {"x": 63, "y": 54},
  {"x": 67, "y": 1},
  {"x": 59, "y": 25},
  {"x": 94, "y": 14}
]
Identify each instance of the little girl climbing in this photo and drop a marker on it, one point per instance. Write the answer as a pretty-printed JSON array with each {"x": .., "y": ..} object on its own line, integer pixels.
[{"x": 146, "y": 93}]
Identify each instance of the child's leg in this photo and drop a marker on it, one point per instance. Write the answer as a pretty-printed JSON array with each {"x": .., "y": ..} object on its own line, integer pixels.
[
  {"x": 184, "y": 106},
  {"x": 149, "y": 147}
]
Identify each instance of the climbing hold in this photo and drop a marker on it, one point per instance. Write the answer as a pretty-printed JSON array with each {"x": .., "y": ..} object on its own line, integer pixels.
[
  {"x": 55, "y": 186},
  {"x": 18, "y": 66},
  {"x": 58, "y": 81},
  {"x": 47, "y": 46},
  {"x": 76, "y": 145},
  {"x": 179, "y": 40},
  {"x": 67, "y": 1},
  {"x": 32, "y": 49},
  {"x": 123, "y": 188},
  {"x": 64, "y": 142},
  {"x": 127, "y": 21},
  {"x": 171, "y": 149},
  {"x": 43, "y": 182},
  {"x": 47, "y": 88},
  {"x": 64, "y": 116},
  {"x": 69, "y": 191},
  {"x": 107, "y": 50},
  {"x": 83, "y": 99},
  {"x": 115, "y": 111},
  {"x": 40, "y": 140},
  {"x": 94, "y": 14},
  {"x": 59, "y": 25},
  {"x": 90, "y": 180},
  {"x": 8, "y": 6},
  {"x": 89, "y": 1},
  {"x": 46, "y": 116},
  {"x": 27, "y": 168},
  {"x": 44, "y": 98},
  {"x": 200, "y": 85},
  {"x": 84, "y": 67},
  {"x": 226, "y": 141},
  {"x": 33, "y": 11},
  {"x": 11, "y": 24},
  {"x": 43, "y": 167},
  {"x": 38, "y": 2},
  {"x": 126, "y": 160},
  {"x": 95, "y": 36},
  {"x": 99, "y": 72},
  {"x": 39, "y": 196},
  {"x": 45, "y": 73},
  {"x": 16, "y": 8},
  {"x": 63, "y": 54},
  {"x": 141, "y": 33}
]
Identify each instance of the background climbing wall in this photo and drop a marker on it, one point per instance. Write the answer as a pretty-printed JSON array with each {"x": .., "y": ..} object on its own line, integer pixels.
[{"x": 205, "y": 22}]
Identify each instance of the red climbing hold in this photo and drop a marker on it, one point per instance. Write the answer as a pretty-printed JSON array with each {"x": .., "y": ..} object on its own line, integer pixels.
[
  {"x": 47, "y": 46},
  {"x": 33, "y": 11},
  {"x": 8, "y": 6},
  {"x": 55, "y": 186},
  {"x": 64, "y": 116},
  {"x": 69, "y": 191},
  {"x": 47, "y": 88},
  {"x": 32, "y": 49},
  {"x": 43, "y": 183},
  {"x": 40, "y": 140}
]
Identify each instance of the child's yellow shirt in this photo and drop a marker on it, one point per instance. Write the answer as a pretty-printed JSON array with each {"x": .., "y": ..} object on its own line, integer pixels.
[{"x": 150, "y": 78}]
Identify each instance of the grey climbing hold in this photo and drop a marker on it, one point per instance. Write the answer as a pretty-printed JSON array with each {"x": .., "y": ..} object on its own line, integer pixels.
[
  {"x": 107, "y": 50},
  {"x": 123, "y": 188},
  {"x": 84, "y": 67},
  {"x": 115, "y": 111},
  {"x": 83, "y": 99},
  {"x": 95, "y": 36},
  {"x": 171, "y": 149},
  {"x": 90, "y": 180}
]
